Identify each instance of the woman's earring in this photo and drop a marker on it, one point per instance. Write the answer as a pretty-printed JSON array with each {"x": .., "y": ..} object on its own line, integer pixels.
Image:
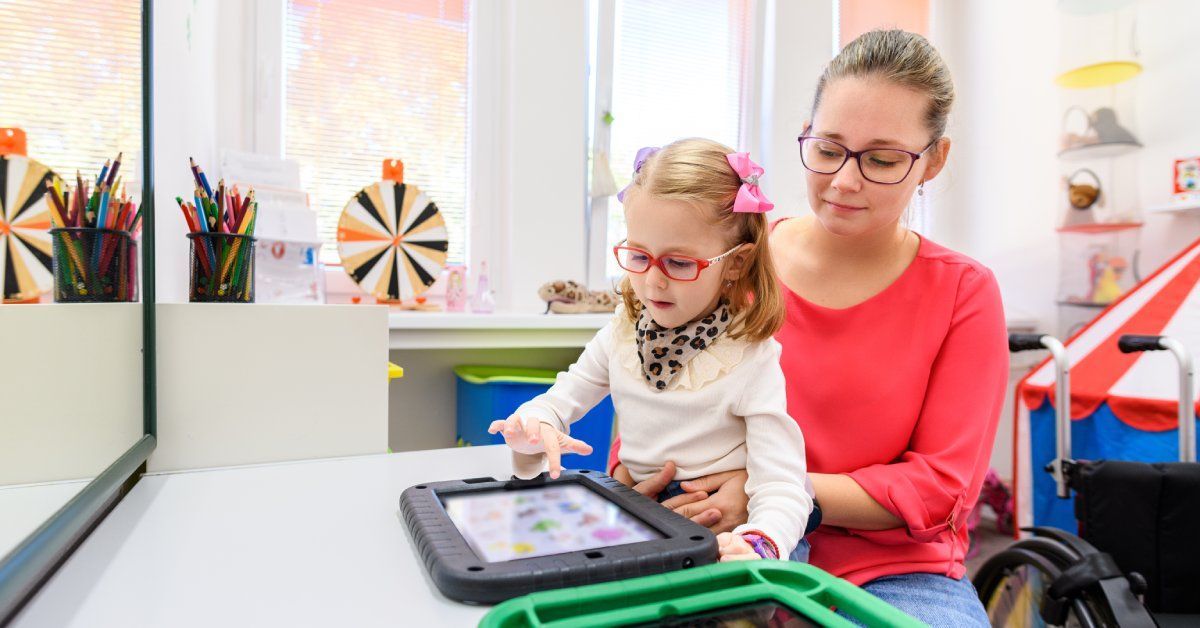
[{"x": 921, "y": 189}]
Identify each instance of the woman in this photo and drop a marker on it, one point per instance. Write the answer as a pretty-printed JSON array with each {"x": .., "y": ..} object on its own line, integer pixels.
[{"x": 894, "y": 347}]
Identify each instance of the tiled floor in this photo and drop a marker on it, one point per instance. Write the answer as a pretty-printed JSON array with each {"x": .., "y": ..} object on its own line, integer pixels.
[{"x": 989, "y": 541}]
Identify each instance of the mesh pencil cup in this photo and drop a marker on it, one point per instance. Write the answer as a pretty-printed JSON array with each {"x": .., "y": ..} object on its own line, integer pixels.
[
  {"x": 93, "y": 265},
  {"x": 222, "y": 268}
]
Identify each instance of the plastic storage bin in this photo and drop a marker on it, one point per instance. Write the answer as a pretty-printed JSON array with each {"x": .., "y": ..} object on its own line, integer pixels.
[{"x": 487, "y": 393}]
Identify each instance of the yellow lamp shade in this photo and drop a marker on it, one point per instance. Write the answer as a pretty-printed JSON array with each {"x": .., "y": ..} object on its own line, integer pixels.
[{"x": 1099, "y": 74}]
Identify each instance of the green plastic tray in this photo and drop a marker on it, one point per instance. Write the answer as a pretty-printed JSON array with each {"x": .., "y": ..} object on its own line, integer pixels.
[{"x": 801, "y": 587}]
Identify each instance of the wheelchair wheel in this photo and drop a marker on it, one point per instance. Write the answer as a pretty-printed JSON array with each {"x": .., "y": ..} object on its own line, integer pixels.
[{"x": 1013, "y": 583}]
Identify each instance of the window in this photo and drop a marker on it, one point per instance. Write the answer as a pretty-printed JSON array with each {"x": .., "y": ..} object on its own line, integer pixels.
[
  {"x": 678, "y": 69},
  {"x": 368, "y": 80},
  {"x": 72, "y": 79}
]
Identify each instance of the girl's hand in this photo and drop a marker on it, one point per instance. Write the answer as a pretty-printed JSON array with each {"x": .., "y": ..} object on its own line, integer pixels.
[
  {"x": 734, "y": 547},
  {"x": 534, "y": 437}
]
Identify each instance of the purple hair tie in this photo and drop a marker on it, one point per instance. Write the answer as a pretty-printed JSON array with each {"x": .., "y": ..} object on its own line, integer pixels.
[{"x": 643, "y": 154}]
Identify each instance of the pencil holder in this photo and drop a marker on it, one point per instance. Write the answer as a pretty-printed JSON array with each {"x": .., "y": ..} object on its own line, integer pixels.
[
  {"x": 222, "y": 268},
  {"x": 93, "y": 265}
]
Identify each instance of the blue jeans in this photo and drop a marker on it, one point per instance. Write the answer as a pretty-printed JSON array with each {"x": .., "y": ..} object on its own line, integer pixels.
[
  {"x": 934, "y": 599},
  {"x": 800, "y": 554}
]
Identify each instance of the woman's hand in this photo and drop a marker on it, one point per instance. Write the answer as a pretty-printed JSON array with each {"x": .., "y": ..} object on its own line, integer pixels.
[
  {"x": 719, "y": 498},
  {"x": 733, "y": 547},
  {"x": 535, "y": 437},
  {"x": 716, "y": 501}
]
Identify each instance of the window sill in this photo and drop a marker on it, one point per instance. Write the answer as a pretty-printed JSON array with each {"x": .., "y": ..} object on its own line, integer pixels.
[{"x": 454, "y": 330}]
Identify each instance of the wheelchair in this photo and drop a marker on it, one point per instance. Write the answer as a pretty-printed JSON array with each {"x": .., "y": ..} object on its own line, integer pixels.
[{"x": 1136, "y": 561}]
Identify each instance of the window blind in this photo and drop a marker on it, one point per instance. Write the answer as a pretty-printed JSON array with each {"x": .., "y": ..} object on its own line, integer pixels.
[
  {"x": 368, "y": 80},
  {"x": 71, "y": 78}
]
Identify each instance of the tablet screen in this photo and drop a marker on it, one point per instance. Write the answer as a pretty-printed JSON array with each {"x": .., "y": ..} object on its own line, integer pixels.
[{"x": 509, "y": 525}]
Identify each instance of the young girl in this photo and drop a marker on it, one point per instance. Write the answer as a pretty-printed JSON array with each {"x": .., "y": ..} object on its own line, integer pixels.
[{"x": 690, "y": 360}]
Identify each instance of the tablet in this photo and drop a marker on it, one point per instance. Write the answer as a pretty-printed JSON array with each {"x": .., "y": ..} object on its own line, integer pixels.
[{"x": 485, "y": 540}]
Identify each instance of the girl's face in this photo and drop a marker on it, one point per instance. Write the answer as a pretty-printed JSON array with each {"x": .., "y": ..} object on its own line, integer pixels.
[
  {"x": 864, "y": 113},
  {"x": 663, "y": 227}
]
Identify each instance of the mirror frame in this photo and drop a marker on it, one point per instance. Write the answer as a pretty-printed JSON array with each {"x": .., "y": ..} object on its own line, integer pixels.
[{"x": 36, "y": 559}]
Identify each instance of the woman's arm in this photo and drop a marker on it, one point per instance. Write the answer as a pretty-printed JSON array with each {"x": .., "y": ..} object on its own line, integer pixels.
[
  {"x": 933, "y": 485},
  {"x": 845, "y": 504}
]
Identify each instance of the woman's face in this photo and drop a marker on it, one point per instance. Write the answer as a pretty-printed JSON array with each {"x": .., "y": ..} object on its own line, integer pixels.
[{"x": 860, "y": 114}]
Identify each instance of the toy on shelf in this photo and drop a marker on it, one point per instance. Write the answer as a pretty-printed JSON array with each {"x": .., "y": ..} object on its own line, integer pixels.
[
  {"x": 393, "y": 240},
  {"x": 1101, "y": 135},
  {"x": 25, "y": 243},
  {"x": 570, "y": 297},
  {"x": 1187, "y": 182},
  {"x": 1082, "y": 196},
  {"x": 456, "y": 288},
  {"x": 483, "y": 302},
  {"x": 1098, "y": 263}
]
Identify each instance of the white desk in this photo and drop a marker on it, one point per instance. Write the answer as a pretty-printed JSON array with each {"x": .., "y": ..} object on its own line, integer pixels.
[
  {"x": 314, "y": 543},
  {"x": 23, "y": 508}
]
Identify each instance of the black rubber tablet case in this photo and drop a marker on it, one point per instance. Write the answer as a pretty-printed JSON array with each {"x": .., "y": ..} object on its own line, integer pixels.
[{"x": 462, "y": 575}]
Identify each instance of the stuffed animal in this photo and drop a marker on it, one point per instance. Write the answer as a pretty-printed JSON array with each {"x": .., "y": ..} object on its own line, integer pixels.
[{"x": 570, "y": 297}]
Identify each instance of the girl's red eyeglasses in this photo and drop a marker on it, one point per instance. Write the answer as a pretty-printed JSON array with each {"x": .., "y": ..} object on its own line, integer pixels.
[{"x": 677, "y": 267}]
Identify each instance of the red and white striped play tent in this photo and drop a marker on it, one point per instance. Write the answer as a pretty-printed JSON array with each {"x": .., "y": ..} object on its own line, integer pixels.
[{"x": 1123, "y": 406}]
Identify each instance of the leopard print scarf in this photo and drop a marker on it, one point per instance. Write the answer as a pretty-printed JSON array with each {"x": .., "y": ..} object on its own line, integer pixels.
[{"x": 664, "y": 352}]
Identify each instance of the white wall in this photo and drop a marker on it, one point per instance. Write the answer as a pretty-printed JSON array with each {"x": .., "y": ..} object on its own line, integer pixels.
[
  {"x": 798, "y": 45},
  {"x": 186, "y": 44},
  {"x": 546, "y": 153},
  {"x": 995, "y": 201},
  {"x": 1168, "y": 91}
]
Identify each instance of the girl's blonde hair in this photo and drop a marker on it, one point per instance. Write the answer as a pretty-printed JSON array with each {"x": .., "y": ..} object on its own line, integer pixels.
[
  {"x": 695, "y": 171},
  {"x": 904, "y": 58}
]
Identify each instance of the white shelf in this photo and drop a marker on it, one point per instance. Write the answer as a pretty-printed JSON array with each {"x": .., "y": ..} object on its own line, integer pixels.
[
  {"x": 1174, "y": 209},
  {"x": 448, "y": 330},
  {"x": 1098, "y": 151}
]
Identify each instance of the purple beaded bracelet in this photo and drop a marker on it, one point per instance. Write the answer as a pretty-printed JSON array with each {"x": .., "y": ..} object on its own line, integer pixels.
[{"x": 762, "y": 545}]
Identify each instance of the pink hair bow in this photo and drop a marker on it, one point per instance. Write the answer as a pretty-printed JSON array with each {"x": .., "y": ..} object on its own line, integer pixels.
[{"x": 750, "y": 198}]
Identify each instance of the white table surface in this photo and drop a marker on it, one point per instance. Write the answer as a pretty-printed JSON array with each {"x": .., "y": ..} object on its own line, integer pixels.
[
  {"x": 313, "y": 543},
  {"x": 25, "y": 507}
]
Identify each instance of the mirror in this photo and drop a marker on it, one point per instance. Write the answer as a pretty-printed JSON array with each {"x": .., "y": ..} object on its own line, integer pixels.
[{"x": 71, "y": 360}]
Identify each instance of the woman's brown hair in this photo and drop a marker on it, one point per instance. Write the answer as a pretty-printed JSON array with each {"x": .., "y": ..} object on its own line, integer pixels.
[{"x": 903, "y": 58}]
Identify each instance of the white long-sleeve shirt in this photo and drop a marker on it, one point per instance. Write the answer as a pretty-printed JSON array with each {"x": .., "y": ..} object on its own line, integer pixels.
[{"x": 726, "y": 410}]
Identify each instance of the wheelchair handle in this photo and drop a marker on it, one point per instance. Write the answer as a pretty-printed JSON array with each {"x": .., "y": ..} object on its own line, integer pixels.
[
  {"x": 1062, "y": 400},
  {"x": 1187, "y": 374},
  {"x": 1133, "y": 343},
  {"x": 1025, "y": 342}
]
